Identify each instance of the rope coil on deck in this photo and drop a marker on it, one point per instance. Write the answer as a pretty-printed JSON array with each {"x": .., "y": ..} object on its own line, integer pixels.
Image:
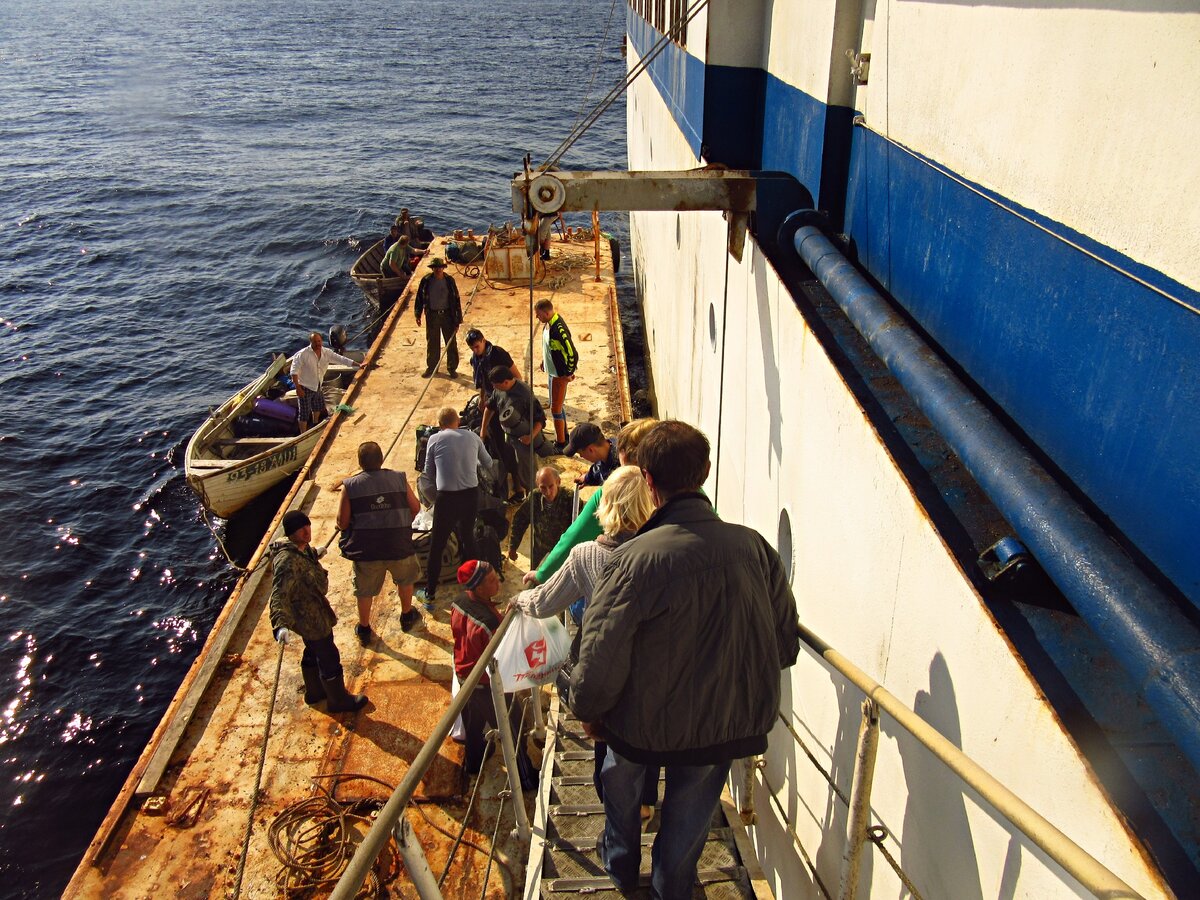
[{"x": 313, "y": 839}]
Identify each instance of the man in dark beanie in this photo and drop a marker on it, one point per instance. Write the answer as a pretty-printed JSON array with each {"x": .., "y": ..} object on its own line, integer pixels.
[
  {"x": 299, "y": 584},
  {"x": 474, "y": 618}
]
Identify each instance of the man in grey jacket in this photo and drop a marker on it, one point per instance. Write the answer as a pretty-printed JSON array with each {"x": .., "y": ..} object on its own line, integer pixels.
[{"x": 682, "y": 645}]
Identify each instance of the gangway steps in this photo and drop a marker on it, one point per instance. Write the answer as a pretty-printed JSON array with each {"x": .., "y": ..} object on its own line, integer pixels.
[{"x": 574, "y": 818}]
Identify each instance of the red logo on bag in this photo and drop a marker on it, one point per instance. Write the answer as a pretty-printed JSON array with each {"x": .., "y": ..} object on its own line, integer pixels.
[{"x": 535, "y": 653}]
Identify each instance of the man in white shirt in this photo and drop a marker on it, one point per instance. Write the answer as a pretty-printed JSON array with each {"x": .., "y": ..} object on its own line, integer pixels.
[{"x": 308, "y": 371}]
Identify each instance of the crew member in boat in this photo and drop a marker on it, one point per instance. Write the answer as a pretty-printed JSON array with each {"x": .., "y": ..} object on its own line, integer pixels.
[
  {"x": 300, "y": 606},
  {"x": 691, "y": 604},
  {"x": 418, "y": 239},
  {"x": 550, "y": 509},
  {"x": 437, "y": 300},
  {"x": 590, "y": 443},
  {"x": 392, "y": 236},
  {"x": 512, "y": 402},
  {"x": 397, "y": 261},
  {"x": 474, "y": 618},
  {"x": 409, "y": 227},
  {"x": 308, "y": 372},
  {"x": 486, "y": 356},
  {"x": 559, "y": 361},
  {"x": 375, "y": 517}
]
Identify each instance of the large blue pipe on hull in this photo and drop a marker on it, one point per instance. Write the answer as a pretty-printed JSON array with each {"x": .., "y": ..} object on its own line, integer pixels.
[{"x": 1143, "y": 628}]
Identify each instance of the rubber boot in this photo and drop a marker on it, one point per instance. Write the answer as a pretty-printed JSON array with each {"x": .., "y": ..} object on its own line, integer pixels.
[
  {"x": 314, "y": 691},
  {"x": 341, "y": 700}
]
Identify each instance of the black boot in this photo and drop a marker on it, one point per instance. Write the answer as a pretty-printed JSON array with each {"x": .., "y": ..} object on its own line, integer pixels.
[
  {"x": 340, "y": 700},
  {"x": 314, "y": 691}
]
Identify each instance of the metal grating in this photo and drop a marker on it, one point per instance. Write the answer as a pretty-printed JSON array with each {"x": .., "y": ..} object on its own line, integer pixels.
[{"x": 574, "y": 819}]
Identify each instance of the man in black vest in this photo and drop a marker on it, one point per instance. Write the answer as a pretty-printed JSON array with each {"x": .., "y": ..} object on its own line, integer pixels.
[{"x": 375, "y": 517}]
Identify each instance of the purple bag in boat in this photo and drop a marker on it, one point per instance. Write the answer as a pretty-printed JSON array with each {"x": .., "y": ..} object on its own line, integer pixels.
[{"x": 275, "y": 409}]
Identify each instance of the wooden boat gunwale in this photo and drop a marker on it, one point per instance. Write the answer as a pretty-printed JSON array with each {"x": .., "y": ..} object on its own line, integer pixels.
[
  {"x": 365, "y": 273},
  {"x": 202, "y": 470}
]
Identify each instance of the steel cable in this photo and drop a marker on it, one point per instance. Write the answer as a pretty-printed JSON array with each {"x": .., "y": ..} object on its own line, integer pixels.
[
  {"x": 262, "y": 759},
  {"x": 644, "y": 63}
]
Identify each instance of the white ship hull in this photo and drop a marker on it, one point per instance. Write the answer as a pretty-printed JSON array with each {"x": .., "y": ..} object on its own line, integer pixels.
[{"x": 797, "y": 458}]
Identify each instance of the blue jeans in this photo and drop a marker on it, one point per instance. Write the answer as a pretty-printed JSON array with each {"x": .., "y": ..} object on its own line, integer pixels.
[{"x": 689, "y": 799}]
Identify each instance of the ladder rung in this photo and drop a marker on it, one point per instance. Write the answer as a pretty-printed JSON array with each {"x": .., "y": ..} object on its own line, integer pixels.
[{"x": 587, "y": 885}]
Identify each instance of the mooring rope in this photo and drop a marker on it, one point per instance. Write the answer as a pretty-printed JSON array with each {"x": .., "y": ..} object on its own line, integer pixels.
[
  {"x": 611, "y": 97},
  {"x": 262, "y": 760}
]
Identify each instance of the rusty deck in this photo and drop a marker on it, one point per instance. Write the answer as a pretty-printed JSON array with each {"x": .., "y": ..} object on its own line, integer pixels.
[{"x": 177, "y": 826}]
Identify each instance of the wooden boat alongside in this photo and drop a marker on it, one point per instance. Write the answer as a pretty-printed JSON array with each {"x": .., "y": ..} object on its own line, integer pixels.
[
  {"x": 365, "y": 273},
  {"x": 228, "y": 467}
]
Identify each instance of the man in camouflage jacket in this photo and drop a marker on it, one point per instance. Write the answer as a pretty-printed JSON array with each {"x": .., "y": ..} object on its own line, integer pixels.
[
  {"x": 550, "y": 508},
  {"x": 299, "y": 605}
]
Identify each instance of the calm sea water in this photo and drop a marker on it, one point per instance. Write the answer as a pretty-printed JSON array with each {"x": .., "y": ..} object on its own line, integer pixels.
[{"x": 183, "y": 187}]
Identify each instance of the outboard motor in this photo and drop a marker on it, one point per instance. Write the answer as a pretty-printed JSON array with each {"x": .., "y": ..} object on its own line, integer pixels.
[{"x": 337, "y": 339}]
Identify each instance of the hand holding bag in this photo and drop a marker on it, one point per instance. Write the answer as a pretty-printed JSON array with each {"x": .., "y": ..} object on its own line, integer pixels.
[{"x": 531, "y": 652}]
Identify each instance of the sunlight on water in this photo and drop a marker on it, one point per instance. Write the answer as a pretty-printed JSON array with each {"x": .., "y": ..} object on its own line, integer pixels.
[{"x": 165, "y": 225}]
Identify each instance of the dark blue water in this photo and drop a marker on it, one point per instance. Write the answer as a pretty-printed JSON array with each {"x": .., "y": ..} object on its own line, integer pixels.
[{"x": 183, "y": 187}]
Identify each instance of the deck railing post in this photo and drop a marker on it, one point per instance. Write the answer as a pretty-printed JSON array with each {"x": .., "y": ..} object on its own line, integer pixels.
[
  {"x": 860, "y": 799},
  {"x": 508, "y": 745},
  {"x": 539, "y": 719},
  {"x": 419, "y": 873}
]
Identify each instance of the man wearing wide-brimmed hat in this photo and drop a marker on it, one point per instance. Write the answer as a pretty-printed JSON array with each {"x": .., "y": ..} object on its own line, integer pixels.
[{"x": 437, "y": 298}]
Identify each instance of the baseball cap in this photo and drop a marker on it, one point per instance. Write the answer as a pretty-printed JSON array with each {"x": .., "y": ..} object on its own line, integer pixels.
[{"x": 584, "y": 435}]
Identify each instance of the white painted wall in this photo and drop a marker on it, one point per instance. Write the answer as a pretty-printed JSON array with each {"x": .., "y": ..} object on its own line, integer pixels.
[
  {"x": 734, "y": 33},
  {"x": 871, "y": 576},
  {"x": 799, "y": 44},
  {"x": 1084, "y": 114}
]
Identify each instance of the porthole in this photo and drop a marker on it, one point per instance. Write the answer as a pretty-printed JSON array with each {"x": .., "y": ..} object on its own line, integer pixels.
[{"x": 785, "y": 543}]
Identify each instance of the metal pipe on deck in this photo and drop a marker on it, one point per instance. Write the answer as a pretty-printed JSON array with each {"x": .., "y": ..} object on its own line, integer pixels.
[
  {"x": 415, "y": 863},
  {"x": 1143, "y": 628},
  {"x": 860, "y": 799},
  {"x": 509, "y": 747}
]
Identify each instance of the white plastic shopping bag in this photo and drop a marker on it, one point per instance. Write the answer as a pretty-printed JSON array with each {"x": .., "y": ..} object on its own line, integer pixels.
[
  {"x": 531, "y": 651},
  {"x": 458, "y": 732}
]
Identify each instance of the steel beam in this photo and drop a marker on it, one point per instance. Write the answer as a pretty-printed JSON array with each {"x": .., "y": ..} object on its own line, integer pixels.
[
  {"x": 554, "y": 192},
  {"x": 733, "y": 191}
]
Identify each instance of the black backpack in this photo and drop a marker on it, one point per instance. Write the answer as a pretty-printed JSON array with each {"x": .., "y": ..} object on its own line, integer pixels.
[
  {"x": 424, "y": 433},
  {"x": 472, "y": 415}
]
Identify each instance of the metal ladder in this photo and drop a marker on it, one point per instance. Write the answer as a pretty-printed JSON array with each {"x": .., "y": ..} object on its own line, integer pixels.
[{"x": 563, "y": 862}]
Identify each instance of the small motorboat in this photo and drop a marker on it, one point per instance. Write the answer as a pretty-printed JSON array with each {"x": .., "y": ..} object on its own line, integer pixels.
[{"x": 253, "y": 440}]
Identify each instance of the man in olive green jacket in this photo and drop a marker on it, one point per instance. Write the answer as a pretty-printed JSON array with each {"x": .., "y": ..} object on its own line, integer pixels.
[{"x": 299, "y": 605}]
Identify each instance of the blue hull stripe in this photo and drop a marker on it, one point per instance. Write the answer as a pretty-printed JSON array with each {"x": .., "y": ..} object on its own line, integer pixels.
[{"x": 1097, "y": 369}]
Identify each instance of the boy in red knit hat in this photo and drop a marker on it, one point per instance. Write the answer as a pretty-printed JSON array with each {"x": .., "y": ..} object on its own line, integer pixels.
[{"x": 474, "y": 618}]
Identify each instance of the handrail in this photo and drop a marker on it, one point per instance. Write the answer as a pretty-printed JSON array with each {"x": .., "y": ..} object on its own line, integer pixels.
[
  {"x": 1077, "y": 862},
  {"x": 385, "y": 823}
]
